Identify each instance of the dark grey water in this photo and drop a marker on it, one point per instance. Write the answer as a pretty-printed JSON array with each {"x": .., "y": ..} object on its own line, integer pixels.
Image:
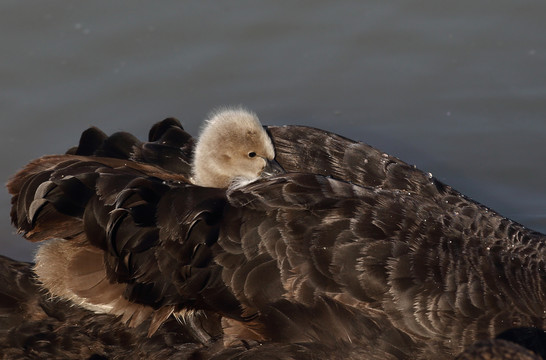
[{"x": 457, "y": 88}]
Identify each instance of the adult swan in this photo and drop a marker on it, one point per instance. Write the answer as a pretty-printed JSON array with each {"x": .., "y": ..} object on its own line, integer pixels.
[{"x": 306, "y": 237}]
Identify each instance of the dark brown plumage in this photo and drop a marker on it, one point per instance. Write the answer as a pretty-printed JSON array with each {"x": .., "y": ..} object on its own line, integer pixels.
[
  {"x": 34, "y": 326},
  {"x": 512, "y": 344},
  {"x": 351, "y": 248},
  {"x": 497, "y": 350}
]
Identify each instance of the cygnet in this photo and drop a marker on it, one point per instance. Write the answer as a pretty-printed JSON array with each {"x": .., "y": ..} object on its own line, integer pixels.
[{"x": 233, "y": 147}]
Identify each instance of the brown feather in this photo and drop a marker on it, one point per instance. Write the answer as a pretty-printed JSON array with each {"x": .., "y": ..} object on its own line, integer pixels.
[{"x": 351, "y": 246}]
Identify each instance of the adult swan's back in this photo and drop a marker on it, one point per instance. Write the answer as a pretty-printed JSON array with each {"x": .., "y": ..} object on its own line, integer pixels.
[{"x": 348, "y": 247}]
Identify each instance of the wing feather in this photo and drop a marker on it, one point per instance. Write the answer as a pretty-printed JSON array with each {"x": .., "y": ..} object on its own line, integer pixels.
[{"x": 350, "y": 246}]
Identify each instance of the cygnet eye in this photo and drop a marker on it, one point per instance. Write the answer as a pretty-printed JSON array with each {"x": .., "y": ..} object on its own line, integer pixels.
[{"x": 251, "y": 154}]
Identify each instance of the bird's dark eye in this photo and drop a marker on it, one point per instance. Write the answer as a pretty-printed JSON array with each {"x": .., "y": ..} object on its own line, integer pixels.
[{"x": 251, "y": 154}]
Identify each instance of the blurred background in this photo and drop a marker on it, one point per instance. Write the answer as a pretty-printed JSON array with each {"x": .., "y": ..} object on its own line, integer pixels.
[{"x": 457, "y": 88}]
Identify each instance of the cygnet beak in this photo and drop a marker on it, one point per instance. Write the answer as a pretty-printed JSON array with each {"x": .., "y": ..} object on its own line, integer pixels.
[{"x": 272, "y": 167}]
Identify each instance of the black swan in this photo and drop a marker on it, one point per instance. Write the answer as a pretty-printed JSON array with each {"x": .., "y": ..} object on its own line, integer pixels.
[{"x": 331, "y": 243}]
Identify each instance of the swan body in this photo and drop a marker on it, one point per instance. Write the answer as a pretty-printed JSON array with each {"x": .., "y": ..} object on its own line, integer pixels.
[{"x": 347, "y": 245}]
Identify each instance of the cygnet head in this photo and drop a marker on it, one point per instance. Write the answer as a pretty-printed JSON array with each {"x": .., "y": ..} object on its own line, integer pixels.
[{"x": 233, "y": 145}]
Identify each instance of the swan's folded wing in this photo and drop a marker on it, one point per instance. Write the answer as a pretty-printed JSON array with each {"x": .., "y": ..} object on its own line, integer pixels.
[
  {"x": 167, "y": 153},
  {"x": 168, "y": 147},
  {"x": 314, "y": 151},
  {"x": 107, "y": 254},
  {"x": 79, "y": 198},
  {"x": 436, "y": 273}
]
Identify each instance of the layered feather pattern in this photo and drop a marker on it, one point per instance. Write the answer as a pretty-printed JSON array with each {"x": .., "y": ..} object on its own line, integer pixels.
[{"x": 350, "y": 248}]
